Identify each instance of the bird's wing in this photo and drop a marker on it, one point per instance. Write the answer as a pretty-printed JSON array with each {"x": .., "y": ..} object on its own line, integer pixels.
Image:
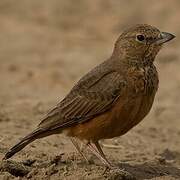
[{"x": 91, "y": 96}]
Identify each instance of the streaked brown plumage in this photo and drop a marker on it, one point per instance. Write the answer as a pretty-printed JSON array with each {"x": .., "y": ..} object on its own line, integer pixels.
[{"x": 112, "y": 98}]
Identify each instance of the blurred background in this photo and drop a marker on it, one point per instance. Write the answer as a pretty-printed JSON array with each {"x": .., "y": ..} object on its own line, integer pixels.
[{"x": 46, "y": 46}]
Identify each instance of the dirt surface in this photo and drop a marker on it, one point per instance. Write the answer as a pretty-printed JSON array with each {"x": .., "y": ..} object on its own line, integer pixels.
[{"x": 45, "y": 47}]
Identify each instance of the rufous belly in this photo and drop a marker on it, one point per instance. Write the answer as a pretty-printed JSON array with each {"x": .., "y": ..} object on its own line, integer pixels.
[{"x": 125, "y": 114}]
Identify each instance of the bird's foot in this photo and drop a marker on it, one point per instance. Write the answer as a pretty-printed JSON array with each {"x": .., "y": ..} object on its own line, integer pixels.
[{"x": 115, "y": 172}]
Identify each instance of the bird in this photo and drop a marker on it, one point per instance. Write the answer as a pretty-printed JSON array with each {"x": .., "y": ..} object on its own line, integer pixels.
[{"x": 110, "y": 99}]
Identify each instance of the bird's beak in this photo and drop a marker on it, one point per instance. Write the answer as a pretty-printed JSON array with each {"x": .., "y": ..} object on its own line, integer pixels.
[{"x": 164, "y": 37}]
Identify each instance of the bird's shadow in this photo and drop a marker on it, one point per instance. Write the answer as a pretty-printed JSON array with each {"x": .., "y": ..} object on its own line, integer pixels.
[{"x": 149, "y": 170}]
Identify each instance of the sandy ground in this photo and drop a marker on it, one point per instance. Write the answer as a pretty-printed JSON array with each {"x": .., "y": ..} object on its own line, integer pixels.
[{"x": 45, "y": 47}]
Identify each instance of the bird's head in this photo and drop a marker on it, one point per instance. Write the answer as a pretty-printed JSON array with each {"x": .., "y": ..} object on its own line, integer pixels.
[{"x": 141, "y": 42}]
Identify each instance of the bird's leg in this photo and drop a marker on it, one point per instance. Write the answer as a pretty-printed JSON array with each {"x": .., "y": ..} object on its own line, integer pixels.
[
  {"x": 75, "y": 143},
  {"x": 96, "y": 144},
  {"x": 96, "y": 149}
]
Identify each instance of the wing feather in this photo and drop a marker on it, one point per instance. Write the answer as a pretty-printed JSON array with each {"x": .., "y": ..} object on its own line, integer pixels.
[{"x": 85, "y": 102}]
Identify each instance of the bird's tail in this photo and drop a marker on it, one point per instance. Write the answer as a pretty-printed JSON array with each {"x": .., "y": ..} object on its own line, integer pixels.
[{"x": 38, "y": 133}]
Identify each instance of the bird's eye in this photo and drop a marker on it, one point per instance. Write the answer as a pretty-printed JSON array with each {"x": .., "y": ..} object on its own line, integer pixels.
[{"x": 140, "y": 37}]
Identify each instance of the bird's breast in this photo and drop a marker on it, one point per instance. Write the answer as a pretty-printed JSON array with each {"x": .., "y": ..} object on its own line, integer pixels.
[{"x": 143, "y": 80}]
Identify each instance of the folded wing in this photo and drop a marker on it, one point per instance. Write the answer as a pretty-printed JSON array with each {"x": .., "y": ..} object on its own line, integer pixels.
[{"x": 90, "y": 97}]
